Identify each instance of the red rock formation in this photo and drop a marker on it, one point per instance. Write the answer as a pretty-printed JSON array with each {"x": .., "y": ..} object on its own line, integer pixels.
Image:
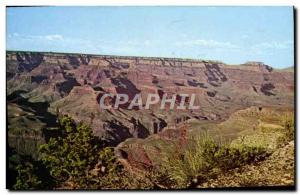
[{"x": 77, "y": 80}]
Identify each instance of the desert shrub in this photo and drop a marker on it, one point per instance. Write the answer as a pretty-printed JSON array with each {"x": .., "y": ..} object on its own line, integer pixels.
[
  {"x": 31, "y": 175},
  {"x": 107, "y": 173},
  {"x": 289, "y": 126},
  {"x": 227, "y": 157},
  {"x": 289, "y": 129},
  {"x": 204, "y": 157},
  {"x": 181, "y": 168},
  {"x": 130, "y": 180},
  {"x": 26, "y": 179}
]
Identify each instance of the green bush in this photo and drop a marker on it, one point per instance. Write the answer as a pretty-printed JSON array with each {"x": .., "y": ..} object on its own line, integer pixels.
[
  {"x": 288, "y": 131},
  {"x": 181, "y": 168},
  {"x": 26, "y": 179},
  {"x": 289, "y": 126},
  {"x": 204, "y": 158},
  {"x": 227, "y": 157},
  {"x": 78, "y": 158}
]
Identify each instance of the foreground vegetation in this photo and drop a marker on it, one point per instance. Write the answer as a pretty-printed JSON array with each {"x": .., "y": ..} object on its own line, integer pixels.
[{"x": 78, "y": 160}]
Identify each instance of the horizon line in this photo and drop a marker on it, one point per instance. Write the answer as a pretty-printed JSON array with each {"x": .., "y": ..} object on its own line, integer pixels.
[{"x": 151, "y": 57}]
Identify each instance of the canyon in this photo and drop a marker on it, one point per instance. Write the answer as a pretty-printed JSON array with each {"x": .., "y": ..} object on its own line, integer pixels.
[{"x": 42, "y": 85}]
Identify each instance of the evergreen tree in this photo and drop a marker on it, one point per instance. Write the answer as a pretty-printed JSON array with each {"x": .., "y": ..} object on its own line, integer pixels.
[{"x": 72, "y": 156}]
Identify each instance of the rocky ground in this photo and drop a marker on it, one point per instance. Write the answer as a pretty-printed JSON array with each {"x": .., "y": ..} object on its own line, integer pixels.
[{"x": 276, "y": 170}]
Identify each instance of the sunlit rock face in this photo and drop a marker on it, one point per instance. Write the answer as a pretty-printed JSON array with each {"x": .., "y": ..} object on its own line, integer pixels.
[{"x": 71, "y": 84}]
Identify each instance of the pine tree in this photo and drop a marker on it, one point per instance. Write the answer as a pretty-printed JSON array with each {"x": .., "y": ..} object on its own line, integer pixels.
[{"x": 74, "y": 157}]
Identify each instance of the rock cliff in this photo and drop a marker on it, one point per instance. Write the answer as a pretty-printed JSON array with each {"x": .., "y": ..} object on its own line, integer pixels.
[{"x": 71, "y": 84}]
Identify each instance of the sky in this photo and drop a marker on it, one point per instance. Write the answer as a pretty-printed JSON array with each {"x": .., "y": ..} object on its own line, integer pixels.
[{"x": 233, "y": 35}]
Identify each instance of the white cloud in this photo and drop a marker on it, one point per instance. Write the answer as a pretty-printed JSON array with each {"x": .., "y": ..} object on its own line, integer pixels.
[
  {"x": 54, "y": 37},
  {"x": 274, "y": 45},
  {"x": 208, "y": 44},
  {"x": 50, "y": 37},
  {"x": 137, "y": 43}
]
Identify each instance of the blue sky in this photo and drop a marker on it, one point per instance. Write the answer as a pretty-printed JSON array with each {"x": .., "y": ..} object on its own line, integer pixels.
[{"x": 233, "y": 35}]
